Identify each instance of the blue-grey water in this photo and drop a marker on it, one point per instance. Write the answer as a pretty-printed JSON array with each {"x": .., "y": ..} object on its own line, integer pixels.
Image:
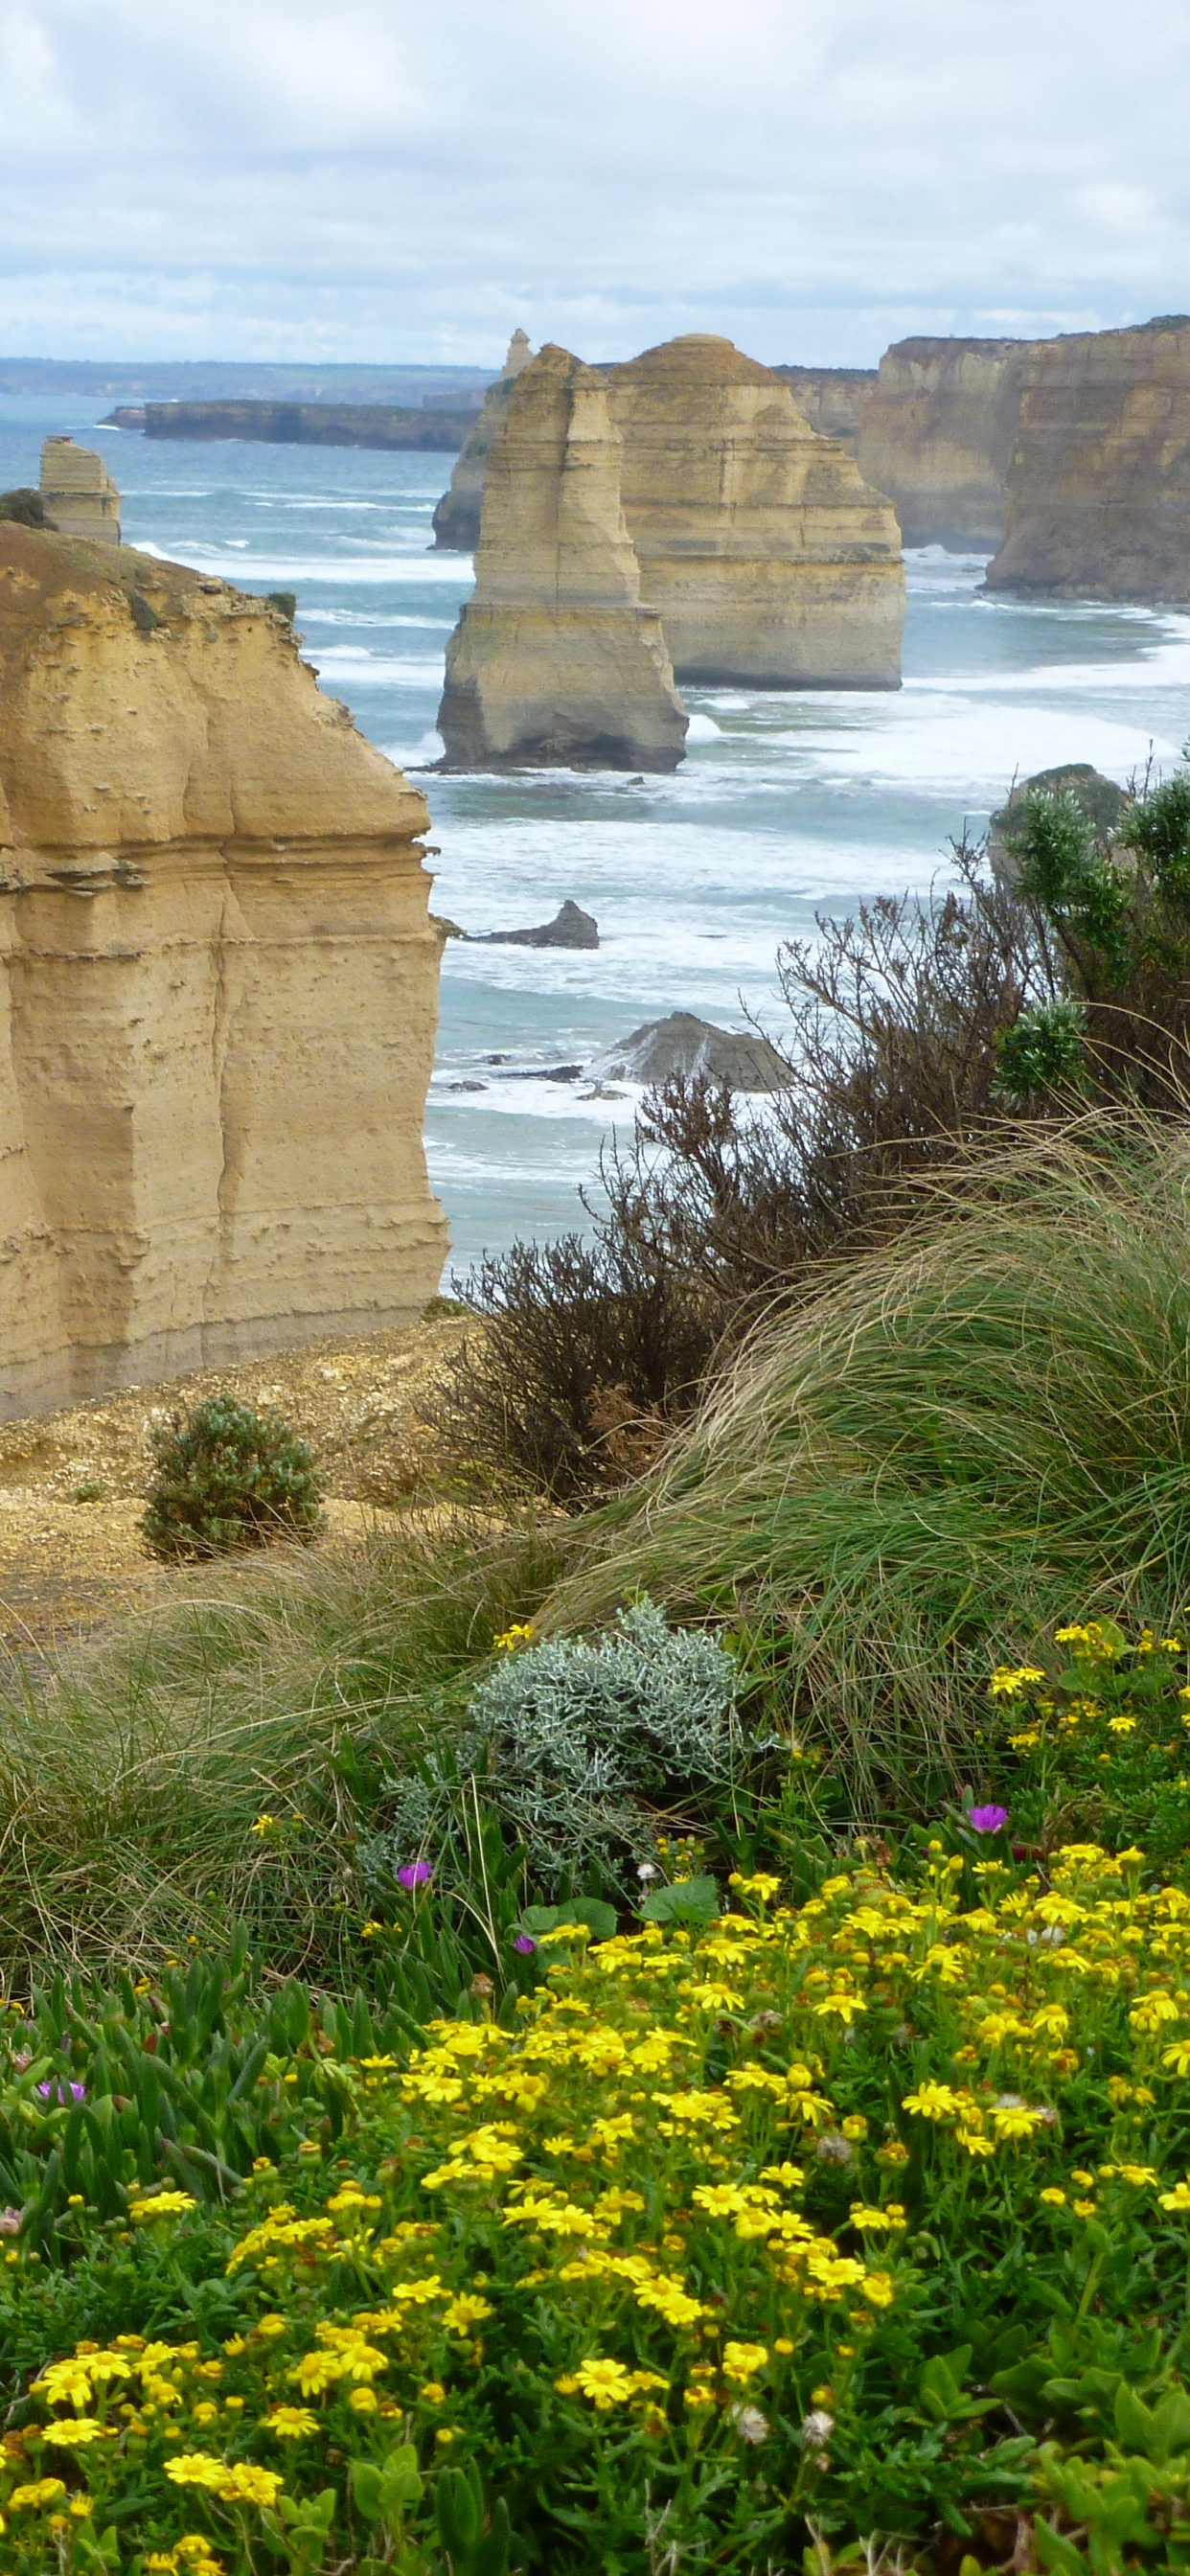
[{"x": 786, "y": 804}]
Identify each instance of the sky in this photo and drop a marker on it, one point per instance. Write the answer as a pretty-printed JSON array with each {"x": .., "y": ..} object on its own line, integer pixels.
[{"x": 391, "y": 180}]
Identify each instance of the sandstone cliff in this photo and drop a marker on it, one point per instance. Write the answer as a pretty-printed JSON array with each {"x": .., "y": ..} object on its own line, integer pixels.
[
  {"x": 768, "y": 557},
  {"x": 832, "y": 399},
  {"x": 554, "y": 662},
  {"x": 937, "y": 433},
  {"x": 1099, "y": 478},
  {"x": 220, "y": 986},
  {"x": 457, "y": 517}
]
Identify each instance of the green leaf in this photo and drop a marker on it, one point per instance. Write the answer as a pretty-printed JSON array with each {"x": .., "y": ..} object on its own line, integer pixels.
[{"x": 694, "y": 1900}]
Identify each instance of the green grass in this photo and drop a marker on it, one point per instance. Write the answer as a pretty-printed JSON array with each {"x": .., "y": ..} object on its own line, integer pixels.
[
  {"x": 953, "y": 1445},
  {"x": 129, "y": 1787}
]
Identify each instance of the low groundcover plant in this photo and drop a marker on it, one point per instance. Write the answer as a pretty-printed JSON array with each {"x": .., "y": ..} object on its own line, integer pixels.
[{"x": 732, "y": 2240}]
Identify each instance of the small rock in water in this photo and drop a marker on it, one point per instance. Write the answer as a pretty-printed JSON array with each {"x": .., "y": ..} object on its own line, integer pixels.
[
  {"x": 571, "y": 927},
  {"x": 738, "y": 1058}
]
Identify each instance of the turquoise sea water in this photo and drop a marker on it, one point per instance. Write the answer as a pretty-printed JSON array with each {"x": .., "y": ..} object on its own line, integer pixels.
[{"x": 786, "y": 804}]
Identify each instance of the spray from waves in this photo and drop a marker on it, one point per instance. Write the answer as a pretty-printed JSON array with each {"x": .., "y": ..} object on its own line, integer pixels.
[{"x": 377, "y": 571}]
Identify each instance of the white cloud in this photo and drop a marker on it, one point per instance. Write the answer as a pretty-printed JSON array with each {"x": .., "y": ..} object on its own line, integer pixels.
[{"x": 389, "y": 179}]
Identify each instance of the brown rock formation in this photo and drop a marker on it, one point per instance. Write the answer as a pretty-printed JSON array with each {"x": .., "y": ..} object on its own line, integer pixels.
[
  {"x": 220, "y": 986},
  {"x": 554, "y": 662},
  {"x": 832, "y": 399},
  {"x": 937, "y": 433},
  {"x": 1099, "y": 478},
  {"x": 457, "y": 517},
  {"x": 78, "y": 492},
  {"x": 770, "y": 561}
]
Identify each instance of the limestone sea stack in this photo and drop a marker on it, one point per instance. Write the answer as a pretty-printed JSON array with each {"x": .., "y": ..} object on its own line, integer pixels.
[
  {"x": 936, "y": 434},
  {"x": 220, "y": 996},
  {"x": 554, "y": 662},
  {"x": 457, "y": 517},
  {"x": 78, "y": 493},
  {"x": 1099, "y": 477},
  {"x": 770, "y": 561}
]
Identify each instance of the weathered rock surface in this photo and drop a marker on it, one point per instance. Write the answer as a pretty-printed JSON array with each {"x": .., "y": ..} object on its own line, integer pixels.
[
  {"x": 220, "y": 986},
  {"x": 457, "y": 517},
  {"x": 832, "y": 399},
  {"x": 1099, "y": 477},
  {"x": 554, "y": 662},
  {"x": 571, "y": 927},
  {"x": 78, "y": 493},
  {"x": 769, "y": 559},
  {"x": 1101, "y": 800},
  {"x": 937, "y": 433},
  {"x": 740, "y": 1059}
]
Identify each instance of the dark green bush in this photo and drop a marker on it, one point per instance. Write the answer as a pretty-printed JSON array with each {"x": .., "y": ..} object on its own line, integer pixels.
[{"x": 227, "y": 1477}]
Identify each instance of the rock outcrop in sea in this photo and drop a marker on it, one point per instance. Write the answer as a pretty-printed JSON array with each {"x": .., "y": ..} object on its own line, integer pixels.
[
  {"x": 936, "y": 434},
  {"x": 738, "y": 1059},
  {"x": 221, "y": 986},
  {"x": 457, "y": 517},
  {"x": 769, "y": 559},
  {"x": 571, "y": 927},
  {"x": 1099, "y": 477},
  {"x": 77, "y": 492},
  {"x": 554, "y": 662}
]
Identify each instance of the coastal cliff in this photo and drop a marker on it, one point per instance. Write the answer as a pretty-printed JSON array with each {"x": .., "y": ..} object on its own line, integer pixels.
[
  {"x": 299, "y": 424},
  {"x": 936, "y": 434},
  {"x": 1099, "y": 477},
  {"x": 770, "y": 561},
  {"x": 220, "y": 986},
  {"x": 554, "y": 661},
  {"x": 457, "y": 517},
  {"x": 832, "y": 399}
]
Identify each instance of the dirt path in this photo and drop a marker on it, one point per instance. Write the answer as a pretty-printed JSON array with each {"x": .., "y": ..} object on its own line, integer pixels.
[{"x": 73, "y": 1484}]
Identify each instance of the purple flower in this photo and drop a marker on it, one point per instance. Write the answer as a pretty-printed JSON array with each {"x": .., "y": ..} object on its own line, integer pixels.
[
  {"x": 10, "y": 2221},
  {"x": 987, "y": 1820},
  {"x": 524, "y": 1943},
  {"x": 55, "y": 2091},
  {"x": 416, "y": 1873}
]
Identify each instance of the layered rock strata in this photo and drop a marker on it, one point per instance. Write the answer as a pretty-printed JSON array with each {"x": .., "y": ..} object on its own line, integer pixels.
[
  {"x": 554, "y": 662},
  {"x": 936, "y": 434},
  {"x": 78, "y": 493},
  {"x": 220, "y": 986},
  {"x": 768, "y": 558},
  {"x": 1099, "y": 476},
  {"x": 832, "y": 399},
  {"x": 457, "y": 517}
]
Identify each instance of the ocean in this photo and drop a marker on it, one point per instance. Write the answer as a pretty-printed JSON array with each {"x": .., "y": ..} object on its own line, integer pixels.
[{"x": 786, "y": 805}]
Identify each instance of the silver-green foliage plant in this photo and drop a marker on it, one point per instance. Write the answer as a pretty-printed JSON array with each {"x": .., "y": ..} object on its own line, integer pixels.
[{"x": 581, "y": 1744}]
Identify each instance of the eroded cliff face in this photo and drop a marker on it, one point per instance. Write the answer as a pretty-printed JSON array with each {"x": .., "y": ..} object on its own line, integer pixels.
[
  {"x": 457, "y": 517},
  {"x": 832, "y": 399},
  {"x": 936, "y": 434},
  {"x": 1099, "y": 476},
  {"x": 770, "y": 561},
  {"x": 220, "y": 986},
  {"x": 554, "y": 661}
]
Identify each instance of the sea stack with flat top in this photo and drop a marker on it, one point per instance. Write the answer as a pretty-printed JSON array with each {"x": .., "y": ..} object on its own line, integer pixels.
[
  {"x": 771, "y": 562},
  {"x": 554, "y": 662},
  {"x": 80, "y": 497}
]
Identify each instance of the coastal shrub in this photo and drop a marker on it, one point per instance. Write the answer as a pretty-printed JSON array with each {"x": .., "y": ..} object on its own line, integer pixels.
[
  {"x": 582, "y": 1747},
  {"x": 227, "y": 1477},
  {"x": 26, "y": 506},
  {"x": 856, "y": 2228},
  {"x": 592, "y": 1350},
  {"x": 290, "y": 1685},
  {"x": 945, "y": 1444}
]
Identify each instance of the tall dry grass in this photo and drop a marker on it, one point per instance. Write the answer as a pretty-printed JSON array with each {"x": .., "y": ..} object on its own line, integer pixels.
[{"x": 953, "y": 1444}]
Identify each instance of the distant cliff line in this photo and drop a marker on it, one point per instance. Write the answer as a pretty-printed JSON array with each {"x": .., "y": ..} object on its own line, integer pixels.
[{"x": 301, "y": 424}]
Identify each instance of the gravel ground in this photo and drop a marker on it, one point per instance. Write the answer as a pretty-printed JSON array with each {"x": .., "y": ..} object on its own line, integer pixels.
[{"x": 73, "y": 1484}]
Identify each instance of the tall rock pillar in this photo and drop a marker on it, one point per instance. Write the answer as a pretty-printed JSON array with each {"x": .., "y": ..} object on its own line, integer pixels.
[{"x": 554, "y": 662}]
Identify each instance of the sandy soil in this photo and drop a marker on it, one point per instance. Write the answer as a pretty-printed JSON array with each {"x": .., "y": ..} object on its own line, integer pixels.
[{"x": 73, "y": 1484}]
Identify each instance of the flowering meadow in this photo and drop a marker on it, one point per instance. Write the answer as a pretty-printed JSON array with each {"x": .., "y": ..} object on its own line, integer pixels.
[{"x": 737, "y": 2241}]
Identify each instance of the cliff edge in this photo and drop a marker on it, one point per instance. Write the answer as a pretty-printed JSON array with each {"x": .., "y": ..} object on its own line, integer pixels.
[
  {"x": 936, "y": 434},
  {"x": 1099, "y": 476},
  {"x": 220, "y": 986}
]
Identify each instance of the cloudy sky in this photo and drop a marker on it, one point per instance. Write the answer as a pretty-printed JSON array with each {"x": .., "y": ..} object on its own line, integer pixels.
[{"x": 408, "y": 179}]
